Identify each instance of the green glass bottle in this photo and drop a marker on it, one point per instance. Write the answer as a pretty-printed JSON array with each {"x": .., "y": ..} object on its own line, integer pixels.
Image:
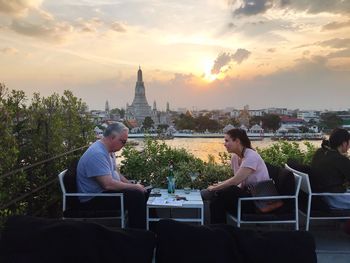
[{"x": 171, "y": 178}]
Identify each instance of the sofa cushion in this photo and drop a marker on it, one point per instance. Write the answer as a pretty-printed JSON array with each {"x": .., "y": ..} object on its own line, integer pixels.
[
  {"x": 30, "y": 239},
  {"x": 181, "y": 242},
  {"x": 275, "y": 246}
]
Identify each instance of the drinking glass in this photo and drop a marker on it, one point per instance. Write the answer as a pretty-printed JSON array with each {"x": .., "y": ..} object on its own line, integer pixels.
[{"x": 193, "y": 177}]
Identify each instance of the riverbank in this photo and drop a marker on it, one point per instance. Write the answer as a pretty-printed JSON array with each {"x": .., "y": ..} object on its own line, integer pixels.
[{"x": 202, "y": 147}]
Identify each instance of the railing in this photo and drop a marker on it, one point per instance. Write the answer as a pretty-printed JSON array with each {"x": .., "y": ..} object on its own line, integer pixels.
[{"x": 33, "y": 189}]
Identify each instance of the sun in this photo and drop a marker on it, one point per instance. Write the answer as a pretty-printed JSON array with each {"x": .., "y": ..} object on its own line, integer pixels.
[{"x": 208, "y": 76}]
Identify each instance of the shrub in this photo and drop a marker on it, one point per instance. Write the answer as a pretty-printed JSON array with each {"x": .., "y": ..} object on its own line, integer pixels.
[
  {"x": 151, "y": 166},
  {"x": 279, "y": 153}
]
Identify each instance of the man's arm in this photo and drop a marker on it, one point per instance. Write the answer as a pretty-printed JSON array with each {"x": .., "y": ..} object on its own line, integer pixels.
[
  {"x": 109, "y": 184},
  {"x": 123, "y": 179}
]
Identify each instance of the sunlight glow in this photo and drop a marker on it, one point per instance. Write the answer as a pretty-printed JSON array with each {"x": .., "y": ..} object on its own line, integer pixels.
[{"x": 208, "y": 76}]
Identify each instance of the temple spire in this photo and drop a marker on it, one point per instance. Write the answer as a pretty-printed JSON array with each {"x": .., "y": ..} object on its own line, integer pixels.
[{"x": 139, "y": 75}]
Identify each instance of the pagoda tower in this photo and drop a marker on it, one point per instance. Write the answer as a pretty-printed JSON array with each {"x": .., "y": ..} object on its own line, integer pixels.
[{"x": 139, "y": 108}]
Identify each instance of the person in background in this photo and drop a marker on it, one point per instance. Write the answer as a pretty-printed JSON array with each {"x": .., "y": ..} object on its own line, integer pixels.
[
  {"x": 97, "y": 172},
  {"x": 248, "y": 169},
  {"x": 331, "y": 169}
]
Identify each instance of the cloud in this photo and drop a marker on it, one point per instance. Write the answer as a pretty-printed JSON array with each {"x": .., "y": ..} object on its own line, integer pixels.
[
  {"x": 319, "y": 6},
  {"x": 90, "y": 25},
  {"x": 18, "y": 7},
  {"x": 118, "y": 27},
  {"x": 253, "y": 7},
  {"x": 240, "y": 55},
  {"x": 339, "y": 54},
  {"x": 336, "y": 43},
  {"x": 271, "y": 50},
  {"x": 9, "y": 51},
  {"x": 335, "y": 25},
  {"x": 224, "y": 59},
  {"x": 55, "y": 32}
]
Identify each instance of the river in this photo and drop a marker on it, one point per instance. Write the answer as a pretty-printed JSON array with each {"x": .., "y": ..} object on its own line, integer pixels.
[{"x": 202, "y": 147}]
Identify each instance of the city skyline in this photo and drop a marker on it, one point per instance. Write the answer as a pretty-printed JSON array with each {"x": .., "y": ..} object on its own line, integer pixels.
[{"x": 204, "y": 54}]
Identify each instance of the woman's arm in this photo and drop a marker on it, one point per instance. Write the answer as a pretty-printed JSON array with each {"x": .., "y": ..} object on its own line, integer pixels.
[{"x": 240, "y": 176}]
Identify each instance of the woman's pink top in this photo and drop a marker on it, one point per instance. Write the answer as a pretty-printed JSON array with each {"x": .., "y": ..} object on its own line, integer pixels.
[{"x": 253, "y": 161}]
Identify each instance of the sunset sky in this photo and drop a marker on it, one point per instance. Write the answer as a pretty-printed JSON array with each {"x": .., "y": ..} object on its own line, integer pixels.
[{"x": 194, "y": 53}]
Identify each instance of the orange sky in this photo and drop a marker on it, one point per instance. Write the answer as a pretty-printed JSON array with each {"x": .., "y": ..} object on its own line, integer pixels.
[{"x": 264, "y": 53}]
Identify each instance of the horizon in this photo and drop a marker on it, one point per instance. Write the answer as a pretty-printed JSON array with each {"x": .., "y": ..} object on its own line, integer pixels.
[{"x": 219, "y": 54}]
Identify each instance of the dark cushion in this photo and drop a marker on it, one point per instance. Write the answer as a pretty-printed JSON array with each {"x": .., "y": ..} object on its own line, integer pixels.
[
  {"x": 272, "y": 170},
  {"x": 285, "y": 185},
  {"x": 285, "y": 182},
  {"x": 181, "y": 242},
  {"x": 318, "y": 204},
  {"x": 70, "y": 178},
  {"x": 277, "y": 246},
  {"x": 30, "y": 239},
  {"x": 70, "y": 183},
  {"x": 299, "y": 166}
]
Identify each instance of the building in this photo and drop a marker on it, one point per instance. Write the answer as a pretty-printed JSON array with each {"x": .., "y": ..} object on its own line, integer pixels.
[
  {"x": 289, "y": 123},
  {"x": 309, "y": 115},
  {"x": 140, "y": 109}
]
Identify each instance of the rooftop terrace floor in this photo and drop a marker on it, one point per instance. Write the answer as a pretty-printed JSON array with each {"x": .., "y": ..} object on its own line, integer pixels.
[{"x": 332, "y": 245}]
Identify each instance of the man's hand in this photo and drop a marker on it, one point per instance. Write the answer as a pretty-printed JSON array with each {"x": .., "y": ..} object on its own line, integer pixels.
[{"x": 140, "y": 187}]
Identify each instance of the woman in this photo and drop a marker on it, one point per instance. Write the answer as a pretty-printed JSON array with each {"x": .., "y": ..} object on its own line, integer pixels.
[
  {"x": 248, "y": 169},
  {"x": 331, "y": 168}
]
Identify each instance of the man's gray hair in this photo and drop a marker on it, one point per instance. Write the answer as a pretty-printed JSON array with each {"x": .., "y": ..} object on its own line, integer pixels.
[{"x": 115, "y": 128}]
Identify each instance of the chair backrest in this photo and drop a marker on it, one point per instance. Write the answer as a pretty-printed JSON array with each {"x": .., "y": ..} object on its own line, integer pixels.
[
  {"x": 285, "y": 182},
  {"x": 69, "y": 184},
  {"x": 305, "y": 182},
  {"x": 61, "y": 178}
]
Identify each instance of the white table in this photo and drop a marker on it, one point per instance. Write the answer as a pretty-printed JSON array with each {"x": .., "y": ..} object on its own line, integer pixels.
[{"x": 166, "y": 201}]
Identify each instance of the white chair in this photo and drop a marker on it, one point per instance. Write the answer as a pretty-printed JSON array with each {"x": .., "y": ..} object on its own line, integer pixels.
[
  {"x": 316, "y": 214},
  {"x": 288, "y": 216},
  {"x": 70, "y": 202}
]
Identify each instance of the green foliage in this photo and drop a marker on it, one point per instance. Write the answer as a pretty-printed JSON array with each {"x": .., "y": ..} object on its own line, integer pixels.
[
  {"x": 278, "y": 153},
  {"x": 185, "y": 122},
  {"x": 200, "y": 123},
  {"x": 151, "y": 166},
  {"x": 271, "y": 122},
  {"x": 204, "y": 123},
  {"x": 33, "y": 132},
  {"x": 330, "y": 120},
  {"x": 148, "y": 123}
]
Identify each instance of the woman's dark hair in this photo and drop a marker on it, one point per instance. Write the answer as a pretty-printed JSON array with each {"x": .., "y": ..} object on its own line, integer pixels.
[
  {"x": 337, "y": 137},
  {"x": 241, "y": 135}
]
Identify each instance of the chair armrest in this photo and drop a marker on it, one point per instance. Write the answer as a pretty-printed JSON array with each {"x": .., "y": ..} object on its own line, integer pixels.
[
  {"x": 331, "y": 194},
  {"x": 275, "y": 197}
]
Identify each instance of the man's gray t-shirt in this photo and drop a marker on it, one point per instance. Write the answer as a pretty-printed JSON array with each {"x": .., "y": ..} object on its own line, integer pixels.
[{"x": 96, "y": 161}]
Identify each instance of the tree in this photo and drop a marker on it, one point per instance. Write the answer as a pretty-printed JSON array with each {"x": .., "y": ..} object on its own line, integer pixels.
[
  {"x": 330, "y": 120},
  {"x": 271, "y": 122},
  {"x": 8, "y": 144},
  {"x": 185, "y": 122},
  {"x": 120, "y": 111},
  {"x": 148, "y": 123},
  {"x": 204, "y": 123},
  {"x": 255, "y": 120},
  {"x": 35, "y": 132}
]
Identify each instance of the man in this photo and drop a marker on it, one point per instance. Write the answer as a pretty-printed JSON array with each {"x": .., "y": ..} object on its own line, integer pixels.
[{"x": 97, "y": 172}]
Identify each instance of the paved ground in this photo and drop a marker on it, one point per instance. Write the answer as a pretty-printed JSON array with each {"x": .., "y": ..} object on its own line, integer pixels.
[{"x": 332, "y": 245}]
